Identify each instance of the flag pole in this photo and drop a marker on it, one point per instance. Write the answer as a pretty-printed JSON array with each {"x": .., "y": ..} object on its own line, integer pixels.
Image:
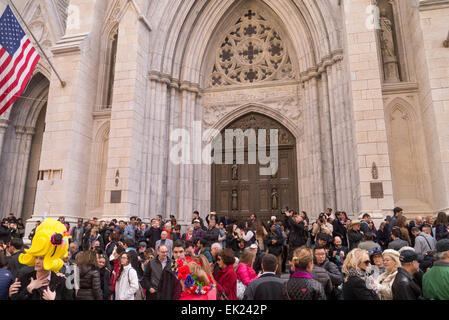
[{"x": 63, "y": 83}]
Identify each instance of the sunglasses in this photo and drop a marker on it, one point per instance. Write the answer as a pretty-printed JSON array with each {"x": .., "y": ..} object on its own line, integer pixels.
[{"x": 367, "y": 262}]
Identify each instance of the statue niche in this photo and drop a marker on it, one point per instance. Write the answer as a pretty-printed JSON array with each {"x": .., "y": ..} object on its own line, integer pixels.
[{"x": 388, "y": 45}]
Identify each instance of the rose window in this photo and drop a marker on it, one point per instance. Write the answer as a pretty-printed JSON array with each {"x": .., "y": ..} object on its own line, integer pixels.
[{"x": 251, "y": 52}]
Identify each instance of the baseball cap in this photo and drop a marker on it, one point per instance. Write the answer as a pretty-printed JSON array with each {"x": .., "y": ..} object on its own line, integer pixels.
[
  {"x": 196, "y": 220},
  {"x": 253, "y": 246},
  {"x": 408, "y": 256}
]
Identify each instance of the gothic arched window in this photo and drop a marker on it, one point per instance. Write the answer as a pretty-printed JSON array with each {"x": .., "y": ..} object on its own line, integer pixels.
[{"x": 111, "y": 70}]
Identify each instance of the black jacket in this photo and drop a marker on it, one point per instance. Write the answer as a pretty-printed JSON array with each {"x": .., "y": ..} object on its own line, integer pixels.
[
  {"x": 152, "y": 276},
  {"x": 404, "y": 286},
  {"x": 355, "y": 289},
  {"x": 169, "y": 286},
  {"x": 16, "y": 268},
  {"x": 5, "y": 234},
  {"x": 57, "y": 284},
  {"x": 303, "y": 289},
  {"x": 354, "y": 238},
  {"x": 321, "y": 275},
  {"x": 339, "y": 230},
  {"x": 90, "y": 284},
  {"x": 334, "y": 273},
  {"x": 266, "y": 287},
  {"x": 212, "y": 236},
  {"x": 153, "y": 235},
  {"x": 105, "y": 277},
  {"x": 275, "y": 249},
  {"x": 297, "y": 236}
]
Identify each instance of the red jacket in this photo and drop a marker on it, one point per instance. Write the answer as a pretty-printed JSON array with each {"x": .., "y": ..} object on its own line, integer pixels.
[{"x": 227, "y": 281}]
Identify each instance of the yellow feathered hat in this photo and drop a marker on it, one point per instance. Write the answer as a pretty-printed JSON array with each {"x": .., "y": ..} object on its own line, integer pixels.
[{"x": 51, "y": 241}]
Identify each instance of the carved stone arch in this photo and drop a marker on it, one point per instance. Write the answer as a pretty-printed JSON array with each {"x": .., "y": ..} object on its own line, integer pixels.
[
  {"x": 20, "y": 156},
  {"x": 27, "y": 107},
  {"x": 224, "y": 120},
  {"x": 409, "y": 167},
  {"x": 98, "y": 168}
]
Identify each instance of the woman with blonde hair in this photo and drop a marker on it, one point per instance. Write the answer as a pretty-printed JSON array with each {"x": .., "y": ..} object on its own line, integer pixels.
[
  {"x": 386, "y": 279},
  {"x": 245, "y": 271},
  {"x": 205, "y": 265},
  {"x": 302, "y": 285},
  {"x": 195, "y": 282},
  {"x": 357, "y": 284}
]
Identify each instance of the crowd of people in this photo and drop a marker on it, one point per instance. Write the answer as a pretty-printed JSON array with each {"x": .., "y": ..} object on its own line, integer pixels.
[{"x": 289, "y": 257}]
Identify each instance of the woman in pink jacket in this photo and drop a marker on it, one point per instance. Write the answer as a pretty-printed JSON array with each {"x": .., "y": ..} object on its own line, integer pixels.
[{"x": 245, "y": 271}]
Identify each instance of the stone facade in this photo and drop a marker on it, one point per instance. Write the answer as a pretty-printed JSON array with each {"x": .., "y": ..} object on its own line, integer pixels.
[{"x": 367, "y": 102}]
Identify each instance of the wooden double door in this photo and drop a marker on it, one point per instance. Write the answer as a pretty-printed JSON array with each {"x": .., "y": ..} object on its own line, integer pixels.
[{"x": 238, "y": 190}]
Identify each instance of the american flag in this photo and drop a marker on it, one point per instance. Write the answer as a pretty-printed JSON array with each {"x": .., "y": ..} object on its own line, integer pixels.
[{"x": 18, "y": 58}]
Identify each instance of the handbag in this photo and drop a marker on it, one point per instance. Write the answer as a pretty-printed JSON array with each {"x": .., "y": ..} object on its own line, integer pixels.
[{"x": 241, "y": 288}]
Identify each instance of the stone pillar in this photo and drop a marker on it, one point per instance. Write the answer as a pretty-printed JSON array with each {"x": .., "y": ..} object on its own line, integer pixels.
[
  {"x": 128, "y": 119},
  {"x": 3, "y": 126},
  {"x": 429, "y": 23},
  {"x": 172, "y": 170},
  {"x": 327, "y": 151},
  {"x": 67, "y": 140},
  {"x": 22, "y": 171},
  {"x": 365, "y": 91}
]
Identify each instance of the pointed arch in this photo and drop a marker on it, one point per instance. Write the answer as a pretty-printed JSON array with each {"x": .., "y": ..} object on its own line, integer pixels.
[
  {"x": 409, "y": 168},
  {"x": 311, "y": 28},
  {"x": 98, "y": 168}
]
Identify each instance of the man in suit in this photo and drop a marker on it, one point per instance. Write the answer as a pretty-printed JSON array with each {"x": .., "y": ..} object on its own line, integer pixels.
[
  {"x": 167, "y": 242},
  {"x": 268, "y": 286}
]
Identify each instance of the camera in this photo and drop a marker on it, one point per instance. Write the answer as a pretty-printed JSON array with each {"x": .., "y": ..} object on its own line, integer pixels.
[{"x": 283, "y": 211}]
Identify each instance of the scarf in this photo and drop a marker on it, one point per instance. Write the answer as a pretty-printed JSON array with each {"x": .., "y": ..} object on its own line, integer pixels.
[{"x": 356, "y": 273}]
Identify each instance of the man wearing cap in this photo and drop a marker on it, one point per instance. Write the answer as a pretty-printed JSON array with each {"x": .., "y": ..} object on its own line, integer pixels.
[
  {"x": 196, "y": 216},
  {"x": 354, "y": 235},
  {"x": 198, "y": 232},
  {"x": 404, "y": 286},
  {"x": 436, "y": 280}
]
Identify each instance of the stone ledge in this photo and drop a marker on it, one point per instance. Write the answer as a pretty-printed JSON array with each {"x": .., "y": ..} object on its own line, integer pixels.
[
  {"x": 400, "y": 87},
  {"x": 425, "y": 5},
  {"x": 69, "y": 44}
]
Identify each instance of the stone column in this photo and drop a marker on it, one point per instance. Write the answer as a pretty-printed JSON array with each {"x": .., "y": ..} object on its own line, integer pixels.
[
  {"x": 327, "y": 151},
  {"x": 172, "y": 170},
  {"x": 67, "y": 139},
  {"x": 367, "y": 108},
  {"x": 22, "y": 171},
  {"x": 3, "y": 126},
  {"x": 129, "y": 123}
]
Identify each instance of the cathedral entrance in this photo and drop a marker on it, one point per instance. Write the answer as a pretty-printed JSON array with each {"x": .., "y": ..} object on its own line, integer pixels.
[{"x": 238, "y": 190}]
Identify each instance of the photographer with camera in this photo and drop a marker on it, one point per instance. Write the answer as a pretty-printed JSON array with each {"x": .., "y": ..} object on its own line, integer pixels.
[
  {"x": 321, "y": 226},
  {"x": 297, "y": 236}
]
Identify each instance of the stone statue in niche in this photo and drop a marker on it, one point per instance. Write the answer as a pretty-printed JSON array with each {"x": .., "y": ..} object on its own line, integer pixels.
[
  {"x": 235, "y": 171},
  {"x": 374, "y": 171},
  {"x": 390, "y": 62},
  {"x": 234, "y": 199},
  {"x": 274, "y": 199}
]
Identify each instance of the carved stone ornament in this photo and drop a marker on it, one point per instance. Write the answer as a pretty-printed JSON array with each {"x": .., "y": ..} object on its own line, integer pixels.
[
  {"x": 252, "y": 51},
  {"x": 374, "y": 171},
  {"x": 257, "y": 122}
]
